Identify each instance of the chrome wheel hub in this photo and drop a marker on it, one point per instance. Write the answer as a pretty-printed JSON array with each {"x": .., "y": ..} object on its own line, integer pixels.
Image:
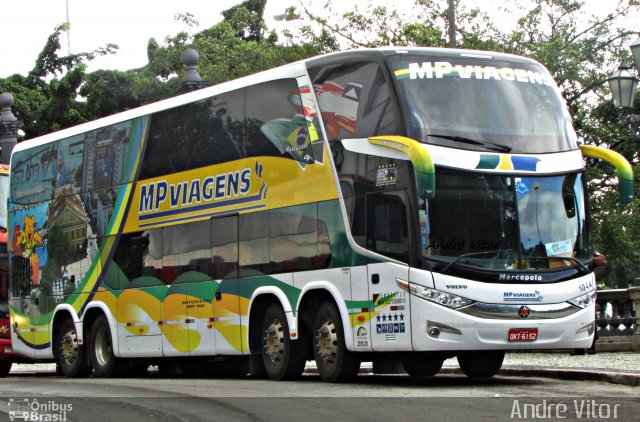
[
  {"x": 103, "y": 347},
  {"x": 70, "y": 347},
  {"x": 327, "y": 342}
]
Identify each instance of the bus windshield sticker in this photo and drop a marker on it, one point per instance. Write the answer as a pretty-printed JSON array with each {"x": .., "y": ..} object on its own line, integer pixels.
[
  {"x": 559, "y": 248},
  {"x": 523, "y": 186},
  {"x": 387, "y": 174}
]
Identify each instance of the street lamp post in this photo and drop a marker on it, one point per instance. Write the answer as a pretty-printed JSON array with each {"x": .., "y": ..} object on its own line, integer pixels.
[{"x": 624, "y": 84}]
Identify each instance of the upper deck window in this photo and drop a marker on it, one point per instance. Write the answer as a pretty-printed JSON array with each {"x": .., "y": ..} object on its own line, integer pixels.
[
  {"x": 260, "y": 120},
  {"x": 354, "y": 100},
  {"x": 481, "y": 104}
]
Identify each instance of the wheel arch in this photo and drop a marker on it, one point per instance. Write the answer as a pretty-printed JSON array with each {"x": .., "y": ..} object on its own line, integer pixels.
[
  {"x": 60, "y": 315},
  {"x": 261, "y": 299},
  {"x": 312, "y": 295},
  {"x": 93, "y": 311}
]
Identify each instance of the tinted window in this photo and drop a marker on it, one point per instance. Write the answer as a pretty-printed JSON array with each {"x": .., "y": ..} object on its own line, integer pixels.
[
  {"x": 376, "y": 201},
  {"x": 195, "y": 135},
  {"x": 285, "y": 240},
  {"x": 276, "y": 125},
  {"x": 294, "y": 239},
  {"x": 187, "y": 250},
  {"x": 254, "y": 242},
  {"x": 354, "y": 101},
  {"x": 224, "y": 241},
  {"x": 129, "y": 256}
]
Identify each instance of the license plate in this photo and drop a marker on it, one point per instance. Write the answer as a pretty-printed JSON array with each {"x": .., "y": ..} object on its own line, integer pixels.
[
  {"x": 522, "y": 335},
  {"x": 8, "y": 350}
]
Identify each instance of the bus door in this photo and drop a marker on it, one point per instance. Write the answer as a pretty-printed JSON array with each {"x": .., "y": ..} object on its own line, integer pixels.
[{"x": 386, "y": 233}]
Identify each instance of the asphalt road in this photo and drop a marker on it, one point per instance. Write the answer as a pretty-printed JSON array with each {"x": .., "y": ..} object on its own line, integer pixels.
[{"x": 448, "y": 397}]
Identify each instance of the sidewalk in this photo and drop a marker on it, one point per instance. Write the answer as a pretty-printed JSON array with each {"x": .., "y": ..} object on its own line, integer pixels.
[{"x": 617, "y": 368}]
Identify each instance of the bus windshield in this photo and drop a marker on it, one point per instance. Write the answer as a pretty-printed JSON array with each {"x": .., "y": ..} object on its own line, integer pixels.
[
  {"x": 480, "y": 104},
  {"x": 502, "y": 222}
]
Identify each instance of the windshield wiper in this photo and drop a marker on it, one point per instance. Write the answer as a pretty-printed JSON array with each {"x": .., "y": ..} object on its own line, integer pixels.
[
  {"x": 488, "y": 145},
  {"x": 466, "y": 255}
]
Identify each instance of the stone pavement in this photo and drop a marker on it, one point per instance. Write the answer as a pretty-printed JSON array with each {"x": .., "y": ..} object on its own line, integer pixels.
[{"x": 618, "y": 368}]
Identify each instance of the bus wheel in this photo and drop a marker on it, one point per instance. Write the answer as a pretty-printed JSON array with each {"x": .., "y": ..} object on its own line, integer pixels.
[
  {"x": 101, "y": 356},
  {"x": 71, "y": 355},
  {"x": 481, "y": 364},
  {"x": 422, "y": 365},
  {"x": 283, "y": 358},
  {"x": 335, "y": 363},
  {"x": 5, "y": 367}
]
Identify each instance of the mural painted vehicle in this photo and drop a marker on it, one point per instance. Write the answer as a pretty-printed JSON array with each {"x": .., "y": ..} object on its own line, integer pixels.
[{"x": 404, "y": 205}]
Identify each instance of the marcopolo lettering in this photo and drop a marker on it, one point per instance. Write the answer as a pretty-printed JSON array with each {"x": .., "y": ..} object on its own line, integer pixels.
[
  {"x": 154, "y": 195},
  {"x": 438, "y": 70},
  {"x": 519, "y": 277}
]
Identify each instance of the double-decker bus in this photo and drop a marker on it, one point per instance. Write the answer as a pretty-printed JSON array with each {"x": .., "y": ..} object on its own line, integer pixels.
[{"x": 374, "y": 205}]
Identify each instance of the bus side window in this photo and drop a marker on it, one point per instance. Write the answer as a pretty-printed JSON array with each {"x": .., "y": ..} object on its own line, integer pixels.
[
  {"x": 294, "y": 239},
  {"x": 129, "y": 256},
  {"x": 354, "y": 100},
  {"x": 276, "y": 124},
  {"x": 224, "y": 246},
  {"x": 152, "y": 265},
  {"x": 195, "y": 135},
  {"x": 186, "y": 252},
  {"x": 254, "y": 243},
  {"x": 387, "y": 225}
]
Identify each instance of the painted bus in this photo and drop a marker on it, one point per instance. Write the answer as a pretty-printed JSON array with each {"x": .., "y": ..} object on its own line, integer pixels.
[{"x": 379, "y": 205}]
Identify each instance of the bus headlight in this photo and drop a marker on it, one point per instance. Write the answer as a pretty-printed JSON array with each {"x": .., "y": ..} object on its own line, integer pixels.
[
  {"x": 584, "y": 300},
  {"x": 442, "y": 298}
]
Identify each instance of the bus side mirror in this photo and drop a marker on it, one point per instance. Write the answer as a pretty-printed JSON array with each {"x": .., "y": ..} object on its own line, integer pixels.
[
  {"x": 599, "y": 260},
  {"x": 623, "y": 169}
]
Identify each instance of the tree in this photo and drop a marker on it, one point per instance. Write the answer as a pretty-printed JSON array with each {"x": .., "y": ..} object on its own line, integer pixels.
[
  {"x": 46, "y": 97},
  {"x": 580, "y": 51}
]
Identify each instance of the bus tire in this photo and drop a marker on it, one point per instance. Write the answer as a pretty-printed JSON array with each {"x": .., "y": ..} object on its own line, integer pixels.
[
  {"x": 335, "y": 363},
  {"x": 481, "y": 363},
  {"x": 283, "y": 358},
  {"x": 72, "y": 356},
  {"x": 422, "y": 365},
  {"x": 5, "y": 368},
  {"x": 101, "y": 357}
]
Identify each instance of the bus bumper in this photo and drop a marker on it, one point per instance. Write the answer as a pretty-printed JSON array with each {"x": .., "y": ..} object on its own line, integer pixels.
[{"x": 436, "y": 327}]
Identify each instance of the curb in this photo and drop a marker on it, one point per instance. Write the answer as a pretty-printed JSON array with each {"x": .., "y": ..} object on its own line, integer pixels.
[{"x": 610, "y": 377}]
